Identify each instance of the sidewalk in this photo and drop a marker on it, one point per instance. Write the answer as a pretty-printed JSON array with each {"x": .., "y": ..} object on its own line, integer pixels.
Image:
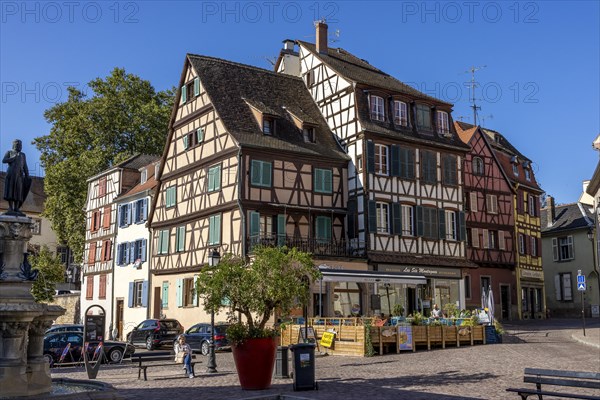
[{"x": 572, "y": 327}]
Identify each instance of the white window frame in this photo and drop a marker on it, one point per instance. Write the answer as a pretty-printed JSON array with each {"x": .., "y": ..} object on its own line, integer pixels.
[
  {"x": 377, "y": 106},
  {"x": 533, "y": 244},
  {"x": 501, "y": 241},
  {"x": 527, "y": 174},
  {"x": 407, "y": 220},
  {"x": 450, "y": 225},
  {"x": 531, "y": 205},
  {"x": 473, "y": 201},
  {"x": 137, "y": 293},
  {"x": 486, "y": 238},
  {"x": 443, "y": 126},
  {"x": 400, "y": 113},
  {"x": 515, "y": 170},
  {"x": 563, "y": 249},
  {"x": 383, "y": 217},
  {"x": 382, "y": 166},
  {"x": 492, "y": 203},
  {"x": 475, "y": 238}
]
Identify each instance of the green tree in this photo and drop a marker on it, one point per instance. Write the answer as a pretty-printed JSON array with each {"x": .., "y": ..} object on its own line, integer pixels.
[
  {"x": 51, "y": 271},
  {"x": 124, "y": 116},
  {"x": 276, "y": 279}
]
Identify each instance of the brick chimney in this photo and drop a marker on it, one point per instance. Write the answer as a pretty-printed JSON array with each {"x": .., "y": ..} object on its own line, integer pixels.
[
  {"x": 321, "y": 37},
  {"x": 551, "y": 214}
]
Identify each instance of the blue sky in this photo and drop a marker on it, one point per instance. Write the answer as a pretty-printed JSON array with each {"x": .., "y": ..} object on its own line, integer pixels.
[{"x": 540, "y": 86}]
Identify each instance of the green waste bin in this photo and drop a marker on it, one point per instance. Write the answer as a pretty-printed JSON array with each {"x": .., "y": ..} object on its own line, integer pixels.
[{"x": 304, "y": 366}]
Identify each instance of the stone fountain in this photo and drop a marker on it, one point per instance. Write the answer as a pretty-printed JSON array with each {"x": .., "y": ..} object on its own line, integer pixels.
[{"x": 23, "y": 322}]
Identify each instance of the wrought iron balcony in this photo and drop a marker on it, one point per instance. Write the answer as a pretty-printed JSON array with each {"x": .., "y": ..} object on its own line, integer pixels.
[{"x": 318, "y": 247}]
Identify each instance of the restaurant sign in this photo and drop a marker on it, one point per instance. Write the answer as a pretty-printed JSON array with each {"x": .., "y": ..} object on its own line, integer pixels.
[
  {"x": 430, "y": 272},
  {"x": 531, "y": 274}
]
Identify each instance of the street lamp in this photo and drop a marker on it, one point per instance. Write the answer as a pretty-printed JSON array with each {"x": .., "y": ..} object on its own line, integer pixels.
[{"x": 211, "y": 367}]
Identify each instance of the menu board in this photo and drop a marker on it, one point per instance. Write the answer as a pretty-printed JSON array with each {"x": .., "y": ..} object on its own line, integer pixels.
[
  {"x": 94, "y": 328},
  {"x": 405, "y": 341}
]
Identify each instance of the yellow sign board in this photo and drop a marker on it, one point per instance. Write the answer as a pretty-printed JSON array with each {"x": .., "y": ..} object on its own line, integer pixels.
[{"x": 327, "y": 339}]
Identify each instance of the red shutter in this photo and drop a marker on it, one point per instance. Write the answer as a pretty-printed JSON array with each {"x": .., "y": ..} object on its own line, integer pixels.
[
  {"x": 102, "y": 187},
  {"x": 108, "y": 252},
  {"x": 106, "y": 221},
  {"x": 89, "y": 293},
  {"x": 92, "y": 253},
  {"x": 102, "y": 288},
  {"x": 103, "y": 252}
]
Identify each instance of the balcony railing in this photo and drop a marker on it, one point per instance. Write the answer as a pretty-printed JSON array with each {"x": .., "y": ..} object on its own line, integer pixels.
[{"x": 318, "y": 247}]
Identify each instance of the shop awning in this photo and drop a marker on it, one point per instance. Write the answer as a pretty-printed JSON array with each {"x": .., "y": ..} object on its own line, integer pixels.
[{"x": 336, "y": 275}]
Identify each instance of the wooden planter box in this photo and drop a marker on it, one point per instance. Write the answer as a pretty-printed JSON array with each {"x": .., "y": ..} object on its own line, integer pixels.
[
  {"x": 419, "y": 334},
  {"x": 449, "y": 333},
  {"x": 479, "y": 334},
  {"x": 434, "y": 335},
  {"x": 465, "y": 334}
]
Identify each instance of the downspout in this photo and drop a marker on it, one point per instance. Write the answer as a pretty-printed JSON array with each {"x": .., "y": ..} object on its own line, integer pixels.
[
  {"x": 239, "y": 202},
  {"x": 149, "y": 263}
]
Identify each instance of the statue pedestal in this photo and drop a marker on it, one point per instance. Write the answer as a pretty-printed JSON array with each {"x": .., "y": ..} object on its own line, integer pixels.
[{"x": 23, "y": 370}]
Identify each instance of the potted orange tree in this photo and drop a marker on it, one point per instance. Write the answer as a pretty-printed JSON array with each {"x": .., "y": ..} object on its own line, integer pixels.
[{"x": 275, "y": 279}]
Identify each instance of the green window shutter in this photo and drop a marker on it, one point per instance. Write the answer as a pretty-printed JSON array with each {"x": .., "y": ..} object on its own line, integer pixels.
[
  {"x": 199, "y": 135},
  {"x": 181, "y": 238},
  {"x": 183, "y": 94},
  {"x": 462, "y": 227},
  {"x": 214, "y": 229},
  {"x": 179, "y": 292},
  {"x": 442, "y": 224},
  {"x": 396, "y": 219},
  {"x": 395, "y": 160},
  {"x": 266, "y": 174},
  {"x": 218, "y": 178},
  {"x": 165, "y": 295},
  {"x": 318, "y": 180},
  {"x": 185, "y": 142},
  {"x": 281, "y": 230},
  {"x": 328, "y": 181},
  {"x": 410, "y": 164},
  {"x": 254, "y": 224},
  {"x": 419, "y": 218},
  {"x": 255, "y": 172},
  {"x": 196, "y": 86},
  {"x": 372, "y": 216},
  {"x": 323, "y": 180},
  {"x": 214, "y": 178},
  {"x": 350, "y": 218},
  {"x": 370, "y": 157},
  {"x": 323, "y": 228}
]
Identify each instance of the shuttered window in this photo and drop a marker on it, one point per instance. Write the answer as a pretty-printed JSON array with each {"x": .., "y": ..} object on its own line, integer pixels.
[
  {"x": 102, "y": 187},
  {"x": 106, "y": 217},
  {"x": 89, "y": 290},
  {"x": 196, "y": 86},
  {"x": 423, "y": 117},
  {"x": 501, "y": 241},
  {"x": 92, "y": 253},
  {"x": 492, "y": 203},
  {"x": 475, "y": 237},
  {"x": 102, "y": 287},
  {"x": 450, "y": 172},
  {"x": 562, "y": 287},
  {"x": 171, "y": 196},
  {"x": 214, "y": 178},
  {"x": 214, "y": 229},
  {"x": 163, "y": 242},
  {"x": 407, "y": 220},
  {"x": 382, "y": 218},
  {"x": 562, "y": 248},
  {"x": 180, "y": 238},
  {"x": 428, "y": 167},
  {"x": 381, "y": 159},
  {"x": 451, "y": 226},
  {"x": 430, "y": 223},
  {"x": 260, "y": 172},
  {"x": 323, "y": 180},
  {"x": 183, "y": 94},
  {"x": 164, "y": 297},
  {"x": 473, "y": 201},
  {"x": 323, "y": 228}
]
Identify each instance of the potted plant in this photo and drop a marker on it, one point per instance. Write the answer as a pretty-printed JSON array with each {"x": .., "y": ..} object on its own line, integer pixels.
[
  {"x": 276, "y": 278},
  {"x": 398, "y": 310}
]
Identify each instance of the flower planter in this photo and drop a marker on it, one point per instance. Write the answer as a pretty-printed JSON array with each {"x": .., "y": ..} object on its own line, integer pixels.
[{"x": 254, "y": 362}]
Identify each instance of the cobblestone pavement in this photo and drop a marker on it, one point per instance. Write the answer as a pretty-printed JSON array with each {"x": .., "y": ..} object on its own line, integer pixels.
[{"x": 478, "y": 372}]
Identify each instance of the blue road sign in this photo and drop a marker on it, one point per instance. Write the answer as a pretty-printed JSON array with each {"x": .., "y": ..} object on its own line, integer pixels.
[
  {"x": 581, "y": 287},
  {"x": 580, "y": 278}
]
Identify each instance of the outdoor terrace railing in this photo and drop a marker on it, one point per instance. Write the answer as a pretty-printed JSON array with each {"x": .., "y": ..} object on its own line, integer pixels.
[{"x": 318, "y": 247}]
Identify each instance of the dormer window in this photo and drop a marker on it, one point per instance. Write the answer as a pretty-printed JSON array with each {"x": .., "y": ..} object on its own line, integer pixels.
[
  {"x": 144, "y": 176},
  {"x": 443, "y": 126},
  {"x": 527, "y": 174},
  {"x": 377, "y": 108},
  {"x": 268, "y": 125},
  {"x": 308, "y": 134},
  {"x": 400, "y": 113},
  {"x": 423, "y": 117},
  {"x": 515, "y": 170},
  {"x": 156, "y": 170}
]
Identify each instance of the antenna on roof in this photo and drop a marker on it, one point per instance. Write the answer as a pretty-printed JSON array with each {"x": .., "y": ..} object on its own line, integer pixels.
[
  {"x": 335, "y": 37},
  {"x": 473, "y": 85},
  {"x": 491, "y": 116}
]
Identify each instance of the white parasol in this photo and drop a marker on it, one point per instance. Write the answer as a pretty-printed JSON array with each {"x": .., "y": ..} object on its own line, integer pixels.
[{"x": 490, "y": 305}]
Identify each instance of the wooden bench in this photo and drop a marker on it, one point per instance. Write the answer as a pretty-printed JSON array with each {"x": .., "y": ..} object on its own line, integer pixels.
[
  {"x": 589, "y": 380},
  {"x": 156, "y": 359}
]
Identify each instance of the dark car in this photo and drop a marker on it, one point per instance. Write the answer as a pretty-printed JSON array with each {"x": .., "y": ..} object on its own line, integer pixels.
[
  {"x": 65, "y": 328},
  {"x": 56, "y": 343},
  {"x": 198, "y": 337},
  {"x": 153, "y": 333}
]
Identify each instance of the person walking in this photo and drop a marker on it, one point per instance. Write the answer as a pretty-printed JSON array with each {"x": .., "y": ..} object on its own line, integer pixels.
[{"x": 182, "y": 349}]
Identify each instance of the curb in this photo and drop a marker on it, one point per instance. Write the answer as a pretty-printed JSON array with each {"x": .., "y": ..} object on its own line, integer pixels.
[{"x": 585, "y": 341}]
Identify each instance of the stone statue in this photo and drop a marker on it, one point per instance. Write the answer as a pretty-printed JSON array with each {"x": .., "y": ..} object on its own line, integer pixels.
[{"x": 17, "y": 182}]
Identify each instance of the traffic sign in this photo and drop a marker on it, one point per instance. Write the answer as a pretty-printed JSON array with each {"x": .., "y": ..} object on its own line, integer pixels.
[
  {"x": 581, "y": 287},
  {"x": 580, "y": 278}
]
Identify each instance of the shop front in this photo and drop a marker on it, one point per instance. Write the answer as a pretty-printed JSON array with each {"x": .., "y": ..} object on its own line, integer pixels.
[{"x": 531, "y": 284}]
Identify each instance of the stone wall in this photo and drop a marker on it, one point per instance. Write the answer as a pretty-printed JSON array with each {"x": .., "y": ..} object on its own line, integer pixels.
[{"x": 69, "y": 302}]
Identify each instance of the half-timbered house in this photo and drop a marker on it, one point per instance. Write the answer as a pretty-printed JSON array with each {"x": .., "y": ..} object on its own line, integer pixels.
[
  {"x": 490, "y": 226},
  {"x": 249, "y": 160},
  {"x": 527, "y": 236},
  {"x": 132, "y": 246},
  {"x": 101, "y": 228},
  {"x": 405, "y": 178}
]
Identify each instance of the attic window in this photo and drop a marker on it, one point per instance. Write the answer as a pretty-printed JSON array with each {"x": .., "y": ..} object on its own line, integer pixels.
[
  {"x": 423, "y": 116},
  {"x": 310, "y": 78},
  {"x": 377, "y": 108},
  {"x": 156, "y": 170},
  {"x": 308, "y": 134},
  {"x": 515, "y": 170},
  {"x": 268, "y": 126},
  {"x": 443, "y": 127},
  {"x": 527, "y": 174},
  {"x": 144, "y": 176}
]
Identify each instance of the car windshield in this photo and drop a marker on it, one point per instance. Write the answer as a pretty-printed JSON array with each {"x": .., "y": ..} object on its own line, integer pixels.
[{"x": 169, "y": 324}]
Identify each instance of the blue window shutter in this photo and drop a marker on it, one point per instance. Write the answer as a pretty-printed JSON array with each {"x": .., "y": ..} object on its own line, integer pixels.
[
  {"x": 326, "y": 228},
  {"x": 196, "y": 86},
  {"x": 396, "y": 219},
  {"x": 442, "y": 224},
  {"x": 130, "y": 298},
  {"x": 118, "y": 254},
  {"x": 126, "y": 253},
  {"x": 179, "y": 293},
  {"x": 370, "y": 157},
  {"x": 143, "y": 250},
  {"x": 281, "y": 230},
  {"x": 129, "y": 209},
  {"x": 372, "y": 216},
  {"x": 135, "y": 211},
  {"x": 145, "y": 209},
  {"x": 132, "y": 248},
  {"x": 119, "y": 217},
  {"x": 183, "y": 94},
  {"x": 145, "y": 294},
  {"x": 419, "y": 219},
  {"x": 395, "y": 160},
  {"x": 350, "y": 218},
  {"x": 254, "y": 223}
]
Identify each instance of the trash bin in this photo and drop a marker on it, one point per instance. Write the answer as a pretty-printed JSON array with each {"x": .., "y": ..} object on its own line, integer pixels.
[
  {"x": 281, "y": 363},
  {"x": 304, "y": 366}
]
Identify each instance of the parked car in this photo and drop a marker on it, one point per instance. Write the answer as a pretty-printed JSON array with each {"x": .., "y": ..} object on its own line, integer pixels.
[
  {"x": 198, "y": 337},
  {"x": 55, "y": 344},
  {"x": 65, "y": 328},
  {"x": 153, "y": 333}
]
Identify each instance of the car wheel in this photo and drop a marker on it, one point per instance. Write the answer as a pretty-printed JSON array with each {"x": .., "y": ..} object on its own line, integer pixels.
[
  {"x": 149, "y": 343},
  {"x": 115, "y": 355},
  {"x": 205, "y": 348},
  {"x": 48, "y": 358}
]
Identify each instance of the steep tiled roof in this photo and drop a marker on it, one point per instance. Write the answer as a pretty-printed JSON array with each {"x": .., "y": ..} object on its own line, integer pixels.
[
  {"x": 464, "y": 134},
  {"x": 140, "y": 187},
  {"x": 231, "y": 87},
  {"x": 360, "y": 71},
  {"x": 138, "y": 161},
  {"x": 568, "y": 217},
  {"x": 34, "y": 203}
]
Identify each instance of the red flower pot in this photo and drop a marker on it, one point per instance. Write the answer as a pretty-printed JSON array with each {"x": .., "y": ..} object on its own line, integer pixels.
[{"x": 254, "y": 362}]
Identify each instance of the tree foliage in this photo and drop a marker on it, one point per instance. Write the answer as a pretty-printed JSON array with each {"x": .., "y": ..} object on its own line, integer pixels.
[
  {"x": 124, "y": 116},
  {"x": 51, "y": 271},
  {"x": 277, "y": 278}
]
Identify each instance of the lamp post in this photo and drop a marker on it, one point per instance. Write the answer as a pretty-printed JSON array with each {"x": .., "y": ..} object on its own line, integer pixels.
[{"x": 211, "y": 367}]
